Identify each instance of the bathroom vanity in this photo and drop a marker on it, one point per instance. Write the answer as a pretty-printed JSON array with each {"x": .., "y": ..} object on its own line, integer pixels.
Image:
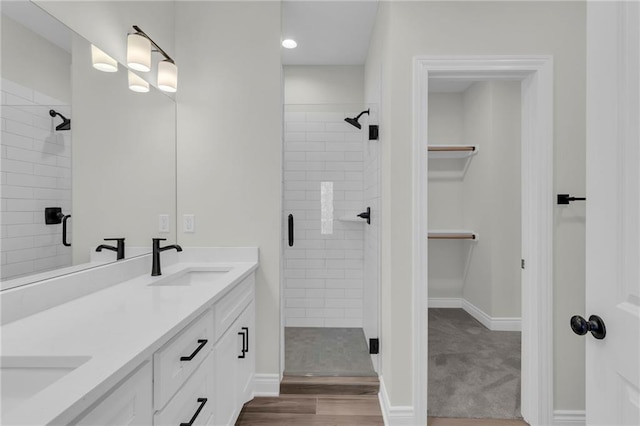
[{"x": 123, "y": 347}]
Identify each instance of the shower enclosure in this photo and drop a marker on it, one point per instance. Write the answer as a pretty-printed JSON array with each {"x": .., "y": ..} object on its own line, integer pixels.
[{"x": 330, "y": 268}]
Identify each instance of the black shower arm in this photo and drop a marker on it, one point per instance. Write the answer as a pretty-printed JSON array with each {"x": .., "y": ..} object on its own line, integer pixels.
[
  {"x": 360, "y": 115},
  {"x": 53, "y": 113}
]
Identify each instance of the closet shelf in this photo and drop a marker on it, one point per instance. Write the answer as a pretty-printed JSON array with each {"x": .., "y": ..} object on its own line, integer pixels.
[
  {"x": 452, "y": 151},
  {"x": 452, "y": 234}
]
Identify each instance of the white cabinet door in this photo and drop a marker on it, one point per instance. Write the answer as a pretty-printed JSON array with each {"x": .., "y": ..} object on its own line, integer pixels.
[
  {"x": 130, "y": 403},
  {"x": 246, "y": 366},
  {"x": 225, "y": 355},
  {"x": 613, "y": 212}
]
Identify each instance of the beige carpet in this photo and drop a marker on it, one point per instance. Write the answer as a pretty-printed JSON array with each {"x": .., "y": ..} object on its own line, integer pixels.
[{"x": 473, "y": 372}]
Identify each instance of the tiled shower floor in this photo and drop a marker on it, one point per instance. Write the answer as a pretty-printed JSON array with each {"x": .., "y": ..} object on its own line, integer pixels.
[{"x": 312, "y": 351}]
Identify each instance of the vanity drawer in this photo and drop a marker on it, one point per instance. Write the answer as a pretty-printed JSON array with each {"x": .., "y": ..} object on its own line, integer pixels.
[
  {"x": 175, "y": 361},
  {"x": 194, "y": 399},
  {"x": 231, "y": 306}
]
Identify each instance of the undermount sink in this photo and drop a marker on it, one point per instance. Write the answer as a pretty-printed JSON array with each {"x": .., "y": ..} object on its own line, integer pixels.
[
  {"x": 21, "y": 377},
  {"x": 191, "y": 277}
]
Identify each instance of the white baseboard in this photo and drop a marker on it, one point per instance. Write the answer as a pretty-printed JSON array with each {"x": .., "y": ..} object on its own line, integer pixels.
[
  {"x": 399, "y": 415},
  {"x": 445, "y": 302},
  {"x": 492, "y": 323},
  {"x": 266, "y": 385},
  {"x": 569, "y": 417}
]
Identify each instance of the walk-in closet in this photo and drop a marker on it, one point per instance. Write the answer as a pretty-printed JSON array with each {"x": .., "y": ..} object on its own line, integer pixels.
[{"x": 474, "y": 250}]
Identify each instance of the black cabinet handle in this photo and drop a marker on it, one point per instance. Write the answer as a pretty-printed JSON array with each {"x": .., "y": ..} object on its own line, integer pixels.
[
  {"x": 202, "y": 401},
  {"x": 200, "y": 346},
  {"x": 290, "y": 230},
  {"x": 246, "y": 348},
  {"x": 244, "y": 342}
]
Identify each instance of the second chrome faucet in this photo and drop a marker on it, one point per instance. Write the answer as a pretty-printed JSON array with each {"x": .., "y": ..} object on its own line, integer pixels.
[{"x": 155, "y": 265}]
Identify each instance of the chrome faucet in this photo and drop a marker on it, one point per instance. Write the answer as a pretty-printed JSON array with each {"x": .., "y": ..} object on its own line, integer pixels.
[
  {"x": 119, "y": 249},
  {"x": 155, "y": 266}
]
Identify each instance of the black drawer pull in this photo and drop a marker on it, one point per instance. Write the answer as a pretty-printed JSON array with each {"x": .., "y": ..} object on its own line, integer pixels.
[
  {"x": 246, "y": 348},
  {"x": 244, "y": 342},
  {"x": 200, "y": 346},
  {"x": 202, "y": 401}
]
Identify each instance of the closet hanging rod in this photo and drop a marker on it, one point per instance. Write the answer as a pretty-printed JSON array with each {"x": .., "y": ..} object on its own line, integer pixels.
[
  {"x": 452, "y": 236},
  {"x": 447, "y": 148}
]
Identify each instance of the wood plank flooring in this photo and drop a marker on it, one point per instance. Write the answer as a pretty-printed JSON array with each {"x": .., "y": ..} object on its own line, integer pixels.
[
  {"x": 313, "y": 410},
  {"x": 315, "y": 385}
]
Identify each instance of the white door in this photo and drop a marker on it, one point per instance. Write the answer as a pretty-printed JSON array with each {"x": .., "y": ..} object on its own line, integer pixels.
[{"x": 613, "y": 212}]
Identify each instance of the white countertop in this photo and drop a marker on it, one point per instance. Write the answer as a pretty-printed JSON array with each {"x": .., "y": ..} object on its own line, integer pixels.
[{"x": 118, "y": 327}]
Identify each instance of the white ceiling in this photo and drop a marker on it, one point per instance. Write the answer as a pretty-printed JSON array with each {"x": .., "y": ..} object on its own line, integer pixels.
[{"x": 328, "y": 32}]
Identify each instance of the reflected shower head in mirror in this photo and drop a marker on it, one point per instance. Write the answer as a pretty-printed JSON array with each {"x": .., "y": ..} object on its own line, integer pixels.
[
  {"x": 66, "y": 122},
  {"x": 354, "y": 121}
]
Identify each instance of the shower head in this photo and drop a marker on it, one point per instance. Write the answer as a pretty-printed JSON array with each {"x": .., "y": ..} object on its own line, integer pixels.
[
  {"x": 66, "y": 122},
  {"x": 354, "y": 121}
]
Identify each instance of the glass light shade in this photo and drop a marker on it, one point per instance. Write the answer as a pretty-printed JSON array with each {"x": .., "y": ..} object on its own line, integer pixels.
[
  {"x": 138, "y": 53},
  {"x": 167, "y": 76},
  {"x": 289, "y": 43},
  {"x": 137, "y": 83},
  {"x": 101, "y": 61}
]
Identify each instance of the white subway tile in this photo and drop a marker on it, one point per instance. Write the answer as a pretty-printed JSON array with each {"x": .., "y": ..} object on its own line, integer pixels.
[
  {"x": 313, "y": 195},
  {"x": 343, "y": 303},
  {"x": 353, "y": 196},
  {"x": 304, "y": 263},
  {"x": 325, "y": 156},
  {"x": 295, "y": 137},
  {"x": 294, "y": 293},
  {"x": 343, "y": 322},
  {"x": 304, "y": 322},
  {"x": 334, "y": 294},
  {"x": 20, "y": 205},
  {"x": 304, "y": 283},
  {"x": 10, "y": 87},
  {"x": 340, "y": 127},
  {"x": 47, "y": 240},
  {"x": 343, "y": 283},
  {"x": 295, "y": 176},
  {"x": 356, "y": 137},
  {"x": 344, "y": 165},
  {"x": 333, "y": 313},
  {"x": 17, "y": 243},
  {"x": 304, "y": 165},
  {"x": 325, "y": 176},
  {"x": 295, "y": 156},
  {"x": 295, "y": 195},
  {"x": 16, "y": 218},
  {"x": 315, "y": 313},
  {"x": 294, "y": 253},
  {"x": 325, "y": 137},
  {"x": 294, "y": 273},
  {"x": 307, "y": 244},
  {"x": 325, "y": 116},
  {"x": 325, "y": 273},
  {"x": 295, "y": 116},
  {"x": 353, "y": 273},
  {"x": 302, "y": 205},
  {"x": 294, "y": 312},
  {"x": 344, "y": 263},
  {"x": 344, "y": 146},
  {"x": 42, "y": 99},
  {"x": 314, "y": 293},
  {"x": 304, "y": 146},
  {"x": 304, "y": 303},
  {"x": 17, "y": 192},
  {"x": 14, "y": 166},
  {"x": 353, "y": 293},
  {"x": 354, "y": 254},
  {"x": 62, "y": 161},
  {"x": 16, "y": 269}
]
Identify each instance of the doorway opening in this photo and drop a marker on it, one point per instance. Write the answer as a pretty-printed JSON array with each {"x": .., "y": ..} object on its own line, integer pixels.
[{"x": 534, "y": 77}]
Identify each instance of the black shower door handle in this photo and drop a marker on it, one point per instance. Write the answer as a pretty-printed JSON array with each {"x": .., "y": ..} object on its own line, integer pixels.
[
  {"x": 64, "y": 231},
  {"x": 290, "y": 230}
]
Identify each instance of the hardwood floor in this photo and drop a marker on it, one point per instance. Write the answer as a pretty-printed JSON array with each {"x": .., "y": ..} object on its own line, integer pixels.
[
  {"x": 339, "y": 385},
  {"x": 313, "y": 410}
]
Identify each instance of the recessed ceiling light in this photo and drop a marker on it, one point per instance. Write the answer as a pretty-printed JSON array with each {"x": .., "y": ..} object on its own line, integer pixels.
[{"x": 289, "y": 43}]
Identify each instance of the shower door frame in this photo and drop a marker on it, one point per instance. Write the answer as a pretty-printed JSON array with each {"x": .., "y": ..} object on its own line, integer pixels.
[{"x": 536, "y": 76}]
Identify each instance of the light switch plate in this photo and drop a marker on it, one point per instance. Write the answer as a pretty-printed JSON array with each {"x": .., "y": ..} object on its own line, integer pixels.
[
  {"x": 188, "y": 223},
  {"x": 163, "y": 223}
]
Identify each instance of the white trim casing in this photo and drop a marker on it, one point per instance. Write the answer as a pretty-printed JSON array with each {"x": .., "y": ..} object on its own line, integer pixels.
[
  {"x": 536, "y": 75},
  {"x": 394, "y": 415},
  {"x": 569, "y": 418},
  {"x": 266, "y": 385}
]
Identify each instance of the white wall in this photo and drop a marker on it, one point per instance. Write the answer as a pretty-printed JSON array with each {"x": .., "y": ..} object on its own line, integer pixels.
[
  {"x": 36, "y": 163},
  {"x": 316, "y": 84},
  {"x": 230, "y": 142},
  {"x": 479, "y": 28}
]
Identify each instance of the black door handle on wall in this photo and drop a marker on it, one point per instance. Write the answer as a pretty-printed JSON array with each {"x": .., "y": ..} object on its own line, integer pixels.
[{"x": 290, "y": 230}]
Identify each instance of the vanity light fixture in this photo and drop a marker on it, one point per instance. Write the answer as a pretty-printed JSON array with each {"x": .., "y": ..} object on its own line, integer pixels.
[
  {"x": 137, "y": 83},
  {"x": 101, "y": 61},
  {"x": 139, "y": 48},
  {"x": 289, "y": 43}
]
